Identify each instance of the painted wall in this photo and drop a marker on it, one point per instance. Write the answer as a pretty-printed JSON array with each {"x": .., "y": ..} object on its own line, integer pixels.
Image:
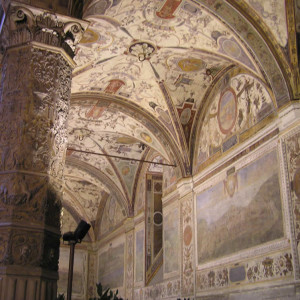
[
  {"x": 139, "y": 255},
  {"x": 111, "y": 264},
  {"x": 171, "y": 241},
  {"x": 79, "y": 273},
  {"x": 240, "y": 212}
]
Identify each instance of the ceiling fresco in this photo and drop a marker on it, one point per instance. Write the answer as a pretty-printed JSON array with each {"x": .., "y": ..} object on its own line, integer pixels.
[
  {"x": 145, "y": 73},
  {"x": 273, "y": 13}
]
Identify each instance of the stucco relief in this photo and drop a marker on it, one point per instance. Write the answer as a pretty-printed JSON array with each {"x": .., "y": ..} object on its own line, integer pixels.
[
  {"x": 29, "y": 249},
  {"x": 280, "y": 265},
  {"x": 20, "y": 196},
  {"x": 212, "y": 279},
  {"x": 41, "y": 113},
  {"x": 5, "y": 250}
]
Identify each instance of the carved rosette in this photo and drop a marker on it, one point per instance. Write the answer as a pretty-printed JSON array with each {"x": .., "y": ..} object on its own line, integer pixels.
[
  {"x": 129, "y": 265},
  {"x": 188, "y": 271}
]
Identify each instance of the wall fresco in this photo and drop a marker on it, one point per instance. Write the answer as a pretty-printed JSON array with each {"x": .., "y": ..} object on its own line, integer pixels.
[
  {"x": 79, "y": 273},
  {"x": 113, "y": 215},
  {"x": 111, "y": 266},
  {"x": 170, "y": 289},
  {"x": 139, "y": 255},
  {"x": 170, "y": 178},
  {"x": 250, "y": 195},
  {"x": 171, "y": 241},
  {"x": 242, "y": 102}
]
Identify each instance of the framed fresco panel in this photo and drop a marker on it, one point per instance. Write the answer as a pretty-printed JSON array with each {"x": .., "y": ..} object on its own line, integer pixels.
[
  {"x": 111, "y": 267},
  {"x": 79, "y": 273},
  {"x": 241, "y": 212},
  {"x": 171, "y": 241},
  {"x": 139, "y": 255}
]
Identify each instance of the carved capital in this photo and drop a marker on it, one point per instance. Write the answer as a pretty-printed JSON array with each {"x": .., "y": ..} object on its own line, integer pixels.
[{"x": 26, "y": 24}]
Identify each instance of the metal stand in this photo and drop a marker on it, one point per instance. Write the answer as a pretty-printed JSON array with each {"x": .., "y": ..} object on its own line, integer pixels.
[
  {"x": 73, "y": 238},
  {"x": 71, "y": 264}
]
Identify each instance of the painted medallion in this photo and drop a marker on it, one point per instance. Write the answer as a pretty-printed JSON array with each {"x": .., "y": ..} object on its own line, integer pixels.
[{"x": 227, "y": 111}]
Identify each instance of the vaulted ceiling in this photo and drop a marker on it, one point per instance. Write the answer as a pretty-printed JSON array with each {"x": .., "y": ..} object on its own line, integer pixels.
[{"x": 146, "y": 74}]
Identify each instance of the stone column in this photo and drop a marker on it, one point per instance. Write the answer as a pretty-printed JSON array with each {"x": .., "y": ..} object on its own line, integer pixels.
[{"x": 34, "y": 104}]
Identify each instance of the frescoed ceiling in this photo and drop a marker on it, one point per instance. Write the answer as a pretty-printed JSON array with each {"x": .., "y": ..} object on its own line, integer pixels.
[{"x": 144, "y": 71}]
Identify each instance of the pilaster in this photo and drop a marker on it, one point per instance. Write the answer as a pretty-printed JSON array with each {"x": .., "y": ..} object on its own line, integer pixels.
[
  {"x": 129, "y": 275},
  {"x": 185, "y": 189}
]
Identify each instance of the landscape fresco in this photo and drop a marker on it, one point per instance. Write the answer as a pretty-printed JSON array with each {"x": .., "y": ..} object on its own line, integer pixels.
[
  {"x": 171, "y": 241},
  {"x": 139, "y": 255},
  {"x": 248, "y": 215},
  {"x": 111, "y": 267},
  {"x": 79, "y": 272}
]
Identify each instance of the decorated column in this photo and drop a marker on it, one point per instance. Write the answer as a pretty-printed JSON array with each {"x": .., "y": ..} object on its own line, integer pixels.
[{"x": 34, "y": 102}]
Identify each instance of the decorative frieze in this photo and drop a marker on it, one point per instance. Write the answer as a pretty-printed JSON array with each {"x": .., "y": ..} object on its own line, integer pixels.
[
  {"x": 271, "y": 267},
  {"x": 167, "y": 289}
]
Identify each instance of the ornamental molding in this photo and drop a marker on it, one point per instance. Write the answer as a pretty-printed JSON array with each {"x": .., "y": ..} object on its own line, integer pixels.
[{"x": 25, "y": 24}]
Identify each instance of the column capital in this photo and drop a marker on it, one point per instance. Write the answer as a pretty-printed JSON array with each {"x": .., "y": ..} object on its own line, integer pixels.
[{"x": 24, "y": 24}]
